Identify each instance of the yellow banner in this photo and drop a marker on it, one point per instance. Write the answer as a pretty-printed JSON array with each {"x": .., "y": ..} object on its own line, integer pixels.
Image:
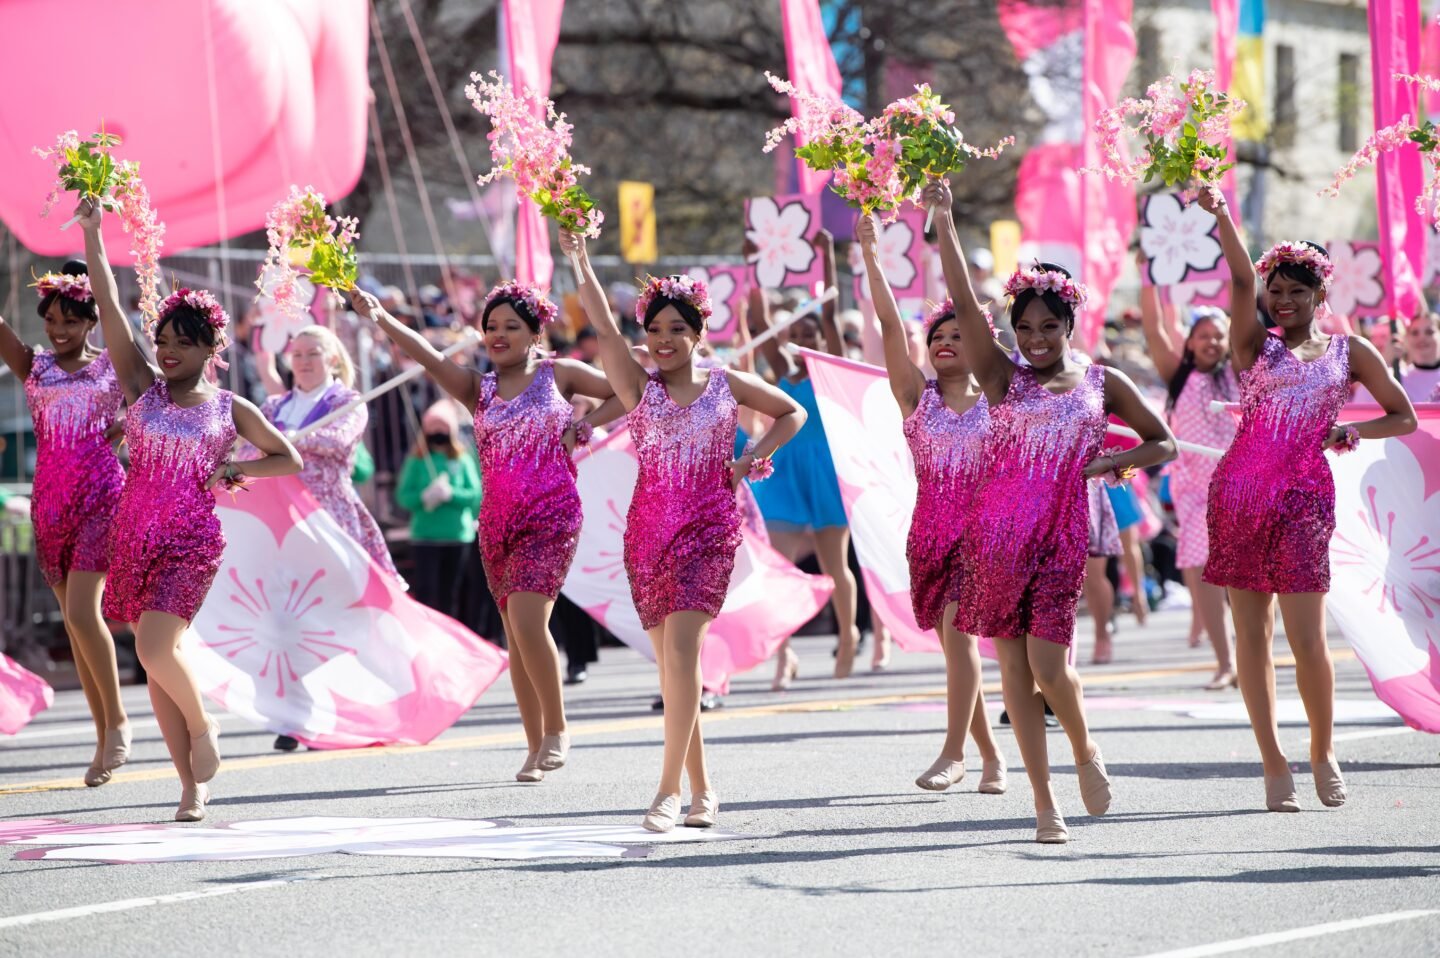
[
  {"x": 1249, "y": 85},
  {"x": 637, "y": 222},
  {"x": 1005, "y": 246}
]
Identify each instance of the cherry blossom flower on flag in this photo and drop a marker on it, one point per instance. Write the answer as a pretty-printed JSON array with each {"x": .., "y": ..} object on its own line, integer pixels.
[
  {"x": 768, "y": 600},
  {"x": 278, "y": 325},
  {"x": 1180, "y": 241},
  {"x": 728, "y": 288},
  {"x": 877, "y": 484},
  {"x": 52, "y": 839},
  {"x": 902, "y": 250},
  {"x": 23, "y": 695},
  {"x": 303, "y": 634},
  {"x": 1385, "y": 563},
  {"x": 1205, "y": 292},
  {"x": 1356, "y": 288},
  {"x": 782, "y": 229}
]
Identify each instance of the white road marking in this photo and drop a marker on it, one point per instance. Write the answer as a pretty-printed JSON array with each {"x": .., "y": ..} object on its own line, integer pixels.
[
  {"x": 126, "y": 904},
  {"x": 75, "y": 728},
  {"x": 1374, "y": 733},
  {"x": 1297, "y": 934}
]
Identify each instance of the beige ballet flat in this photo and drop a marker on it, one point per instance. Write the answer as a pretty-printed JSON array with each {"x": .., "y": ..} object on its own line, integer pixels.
[
  {"x": 941, "y": 775},
  {"x": 703, "y": 809},
  {"x": 1329, "y": 785},
  {"x": 531, "y": 770},
  {"x": 663, "y": 813},
  {"x": 1050, "y": 828},
  {"x": 992, "y": 778},
  {"x": 97, "y": 775},
  {"x": 192, "y": 804},
  {"x": 553, "y": 751},
  {"x": 1223, "y": 679},
  {"x": 205, "y": 751},
  {"x": 117, "y": 747},
  {"x": 1094, "y": 784},
  {"x": 1280, "y": 793}
]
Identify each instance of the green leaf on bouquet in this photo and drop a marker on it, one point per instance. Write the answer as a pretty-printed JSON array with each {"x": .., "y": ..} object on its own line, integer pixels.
[{"x": 332, "y": 265}]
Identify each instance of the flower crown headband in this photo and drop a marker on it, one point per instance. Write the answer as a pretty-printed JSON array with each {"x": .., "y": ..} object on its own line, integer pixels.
[
  {"x": 531, "y": 296},
  {"x": 946, "y": 310},
  {"x": 1047, "y": 281},
  {"x": 68, "y": 285},
  {"x": 1303, "y": 255},
  {"x": 199, "y": 300},
  {"x": 680, "y": 289}
]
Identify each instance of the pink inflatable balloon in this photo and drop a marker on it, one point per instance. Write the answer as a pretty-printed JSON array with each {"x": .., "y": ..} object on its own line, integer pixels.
[{"x": 287, "y": 105}]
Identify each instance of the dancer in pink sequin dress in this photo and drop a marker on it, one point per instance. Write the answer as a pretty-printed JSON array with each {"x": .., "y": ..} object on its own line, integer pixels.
[
  {"x": 1198, "y": 371},
  {"x": 1025, "y": 547},
  {"x": 530, "y": 509},
  {"x": 166, "y": 541},
  {"x": 1272, "y": 497},
  {"x": 683, "y": 526},
  {"x": 75, "y": 402},
  {"x": 947, "y": 424}
]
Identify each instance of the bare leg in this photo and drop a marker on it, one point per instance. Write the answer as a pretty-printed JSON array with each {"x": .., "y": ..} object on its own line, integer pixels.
[
  {"x": 525, "y": 697},
  {"x": 157, "y": 642},
  {"x": 529, "y": 627},
  {"x": 1304, "y": 615},
  {"x": 981, "y": 732},
  {"x": 87, "y": 681},
  {"x": 1209, "y": 611},
  {"x": 683, "y": 634},
  {"x": 880, "y": 656},
  {"x": 175, "y": 731},
  {"x": 1134, "y": 560},
  {"x": 1060, "y": 684},
  {"x": 93, "y": 641},
  {"x": 832, "y": 549},
  {"x": 1100, "y": 600},
  {"x": 1254, "y": 614},
  {"x": 1027, "y": 717},
  {"x": 962, "y": 684}
]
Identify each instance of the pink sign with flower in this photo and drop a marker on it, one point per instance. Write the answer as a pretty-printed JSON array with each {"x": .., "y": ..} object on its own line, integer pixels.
[
  {"x": 903, "y": 257},
  {"x": 1181, "y": 242},
  {"x": 782, "y": 230},
  {"x": 1357, "y": 287},
  {"x": 729, "y": 285}
]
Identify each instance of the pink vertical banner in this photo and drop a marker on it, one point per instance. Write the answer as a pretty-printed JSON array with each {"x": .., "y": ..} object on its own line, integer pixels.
[
  {"x": 1227, "y": 33},
  {"x": 1107, "y": 207},
  {"x": 530, "y": 33},
  {"x": 812, "y": 68},
  {"x": 1400, "y": 174}
]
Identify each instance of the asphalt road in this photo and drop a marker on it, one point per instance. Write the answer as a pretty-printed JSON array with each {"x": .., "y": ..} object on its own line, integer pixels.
[{"x": 825, "y": 845}]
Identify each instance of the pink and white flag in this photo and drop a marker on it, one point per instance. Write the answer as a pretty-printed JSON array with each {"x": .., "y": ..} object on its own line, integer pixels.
[
  {"x": 1399, "y": 175},
  {"x": 530, "y": 33},
  {"x": 304, "y": 634},
  {"x": 812, "y": 68},
  {"x": 768, "y": 600},
  {"x": 877, "y": 483},
  {"x": 1385, "y": 563},
  {"x": 23, "y": 695}
]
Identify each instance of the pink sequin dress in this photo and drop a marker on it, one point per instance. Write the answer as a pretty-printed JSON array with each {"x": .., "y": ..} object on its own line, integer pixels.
[
  {"x": 1272, "y": 497},
  {"x": 1193, "y": 420},
  {"x": 530, "y": 509},
  {"x": 948, "y": 450},
  {"x": 1028, "y": 538},
  {"x": 77, "y": 475},
  {"x": 329, "y": 456},
  {"x": 167, "y": 542},
  {"x": 683, "y": 527}
]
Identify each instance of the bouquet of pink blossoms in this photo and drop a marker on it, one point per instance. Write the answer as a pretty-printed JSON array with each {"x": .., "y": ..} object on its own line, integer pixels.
[
  {"x": 1183, "y": 124},
  {"x": 88, "y": 168},
  {"x": 302, "y": 234},
  {"x": 531, "y": 142},
  {"x": 1426, "y": 138}
]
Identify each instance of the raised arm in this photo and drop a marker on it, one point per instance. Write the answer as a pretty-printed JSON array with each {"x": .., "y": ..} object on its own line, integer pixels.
[
  {"x": 576, "y": 378},
  {"x": 13, "y": 350},
  {"x": 907, "y": 382},
  {"x": 988, "y": 360},
  {"x": 777, "y": 360},
  {"x": 1157, "y": 443},
  {"x": 627, "y": 377},
  {"x": 1165, "y": 353},
  {"x": 279, "y": 456},
  {"x": 786, "y": 414},
  {"x": 461, "y": 382},
  {"x": 1247, "y": 333},
  {"x": 834, "y": 340},
  {"x": 265, "y": 366},
  {"x": 132, "y": 369},
  {"x": 1367, "y": 367}
]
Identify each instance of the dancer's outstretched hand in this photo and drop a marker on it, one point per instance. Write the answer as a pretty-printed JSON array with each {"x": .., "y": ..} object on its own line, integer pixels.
[
  {"x": 937, "y": 195},
  {"x": 1212, "y": 201},
  {"x": 572, "y": 244},
  {"x": 89, "y": 214},
  {"x": 867, "y": 233},
  {"x": 365, "y": 305}
]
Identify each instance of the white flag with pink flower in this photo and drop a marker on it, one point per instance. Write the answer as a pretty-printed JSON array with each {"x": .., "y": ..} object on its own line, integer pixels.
[
  {"x": 303, "y": 634},
  {"x": 877, "y": 483},
  {"x": 1385, "y": 563},
  {"x": 23, "y": 695},
  {"x": 769, "y": 597}
]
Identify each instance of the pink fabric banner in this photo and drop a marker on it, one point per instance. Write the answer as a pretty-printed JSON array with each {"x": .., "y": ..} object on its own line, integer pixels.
[
  {"x": 729, "y": 286},
  {"x": 768, "y": 600},
  {"x": 1227, "y": 32},
  {"x": 531, "y": 31},
  {"x": 877, "y": 483},
  {"x": 1400, "y": 174},
  {"x": 1359, "y": 288},
  {"x": 304, "y": 634},
  {"x": 812, "y": 68},
  {"x": 1385, "y": 563},
  {"x": 23, "y": 695}
]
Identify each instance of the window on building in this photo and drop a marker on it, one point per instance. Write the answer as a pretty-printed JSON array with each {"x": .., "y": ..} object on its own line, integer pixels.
[
  {"x": 1285, "y": 115},
  {"x": 1349, "y": 105}
]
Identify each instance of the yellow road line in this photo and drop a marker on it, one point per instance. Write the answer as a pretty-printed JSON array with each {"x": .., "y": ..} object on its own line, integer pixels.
[{"x": 589, "y": 729}]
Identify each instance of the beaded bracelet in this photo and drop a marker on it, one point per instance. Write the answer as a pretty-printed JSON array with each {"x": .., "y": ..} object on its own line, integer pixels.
[
  {"x": 1118, "y": 475},
  {"x": 1349, "y": 440},
  {"x": 761, "y": 467}
]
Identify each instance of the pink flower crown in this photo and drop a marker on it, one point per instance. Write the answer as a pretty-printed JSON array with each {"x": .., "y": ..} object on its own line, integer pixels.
[
  {"x": 946, "y": 310},
  {"x": 1047, "y": 281},
  {"x": 1301, "y": 254},
  {"x": 66, "y": 284},
  {"x": 534, "y": 299},
  {"x": 197, "y": 299},
  {"x": 683, "y": 289}
]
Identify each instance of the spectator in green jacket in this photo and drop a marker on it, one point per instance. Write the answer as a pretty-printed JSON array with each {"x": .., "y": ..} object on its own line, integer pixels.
[{"x": 440, "y": 488}]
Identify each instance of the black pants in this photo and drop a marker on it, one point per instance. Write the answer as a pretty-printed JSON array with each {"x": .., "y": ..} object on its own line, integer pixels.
[
  {"x": 438, "y": 574},
  {"x": 576, "y": 632}
]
